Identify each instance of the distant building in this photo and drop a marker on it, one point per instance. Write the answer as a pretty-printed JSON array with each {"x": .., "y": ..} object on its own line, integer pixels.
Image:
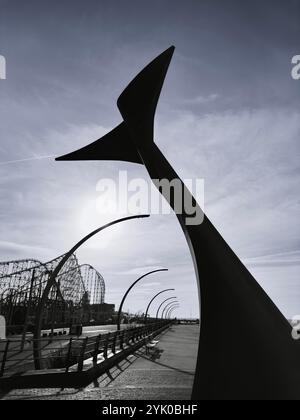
[{"x": 99, "y": 313}]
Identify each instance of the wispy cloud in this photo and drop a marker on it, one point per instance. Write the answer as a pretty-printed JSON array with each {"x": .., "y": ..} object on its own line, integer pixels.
[
  {"x": 18, "y": 250},
  {"x": 139, "y": 271},
  {"x": 201, "y": 100},
  {"x": 275, "y": 260},
  {"x": 26, "y": 160}
]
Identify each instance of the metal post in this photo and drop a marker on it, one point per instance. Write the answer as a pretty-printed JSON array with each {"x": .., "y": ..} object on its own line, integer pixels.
[
  {"x": 113, "y": 348},
  {"x": 10, "y": 309},
  {"x": 53, "y": 309},
  {"x": 82, "y": 354},
  {"x": 96, "y": 351},
  {"x": 27, "y": 312},
  {"x": 69, "y": 355},
  {"x": 4, "y": 358},
  {"x": 71, "y": 317},
  {"x": 132, "y": 337},
  {"x": 122, "y": 340},
  {"x": 105, "y": 353}
]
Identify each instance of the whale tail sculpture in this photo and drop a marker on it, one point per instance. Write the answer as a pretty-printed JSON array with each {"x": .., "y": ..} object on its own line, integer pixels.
[
  {"x": 137, "y": 105},
  {"x": 246, "y": 350}
]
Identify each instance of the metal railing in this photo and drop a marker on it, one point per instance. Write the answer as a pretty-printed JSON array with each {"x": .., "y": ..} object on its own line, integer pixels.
[{"x": 66, "y": 353}]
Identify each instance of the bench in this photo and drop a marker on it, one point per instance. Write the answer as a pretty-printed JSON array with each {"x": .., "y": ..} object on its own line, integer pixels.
[{"x": 151, "y": 345}]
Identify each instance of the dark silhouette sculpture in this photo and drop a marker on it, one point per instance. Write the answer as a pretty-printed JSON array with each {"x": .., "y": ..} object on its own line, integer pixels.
[
  {"x": 129, "y": 289},
  {"x": 246, "y": 350}
]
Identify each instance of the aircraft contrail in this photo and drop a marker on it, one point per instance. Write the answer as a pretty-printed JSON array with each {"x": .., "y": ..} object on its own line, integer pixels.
[{"x": 26, "y": 160}]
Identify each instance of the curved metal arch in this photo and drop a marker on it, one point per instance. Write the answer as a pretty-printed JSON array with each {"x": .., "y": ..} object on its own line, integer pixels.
[
  {"x": 152, "y": 300},
  {"x": 130, "y": 288},
  {"x": 52, "y": 280},
  {"x": 166, "y": 308},
  {"x": 166, "y": 300},
  {"x": 169, "y": 311}
]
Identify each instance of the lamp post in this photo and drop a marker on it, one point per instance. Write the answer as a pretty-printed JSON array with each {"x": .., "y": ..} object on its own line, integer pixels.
[
  {"x": 175, "y": 305},
  {"x": 147, "y": 310},
  {"x": 170, "y": 310},
  {"x": 52, "y": 281},
  {"x": 171, "y": 318},
  {"x": 172, "y": 314},
  {"x": 126, "y": 294},
  {"x": 173, "y": 297},
  {"x": 166, "y": 307}
]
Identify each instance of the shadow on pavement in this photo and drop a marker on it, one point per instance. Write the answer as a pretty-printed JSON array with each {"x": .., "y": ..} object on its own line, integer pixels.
[{"x": 153, "y": 360}]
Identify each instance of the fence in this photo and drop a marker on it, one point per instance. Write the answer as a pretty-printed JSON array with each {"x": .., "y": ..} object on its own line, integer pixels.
[{"x": 71, "y": 353}]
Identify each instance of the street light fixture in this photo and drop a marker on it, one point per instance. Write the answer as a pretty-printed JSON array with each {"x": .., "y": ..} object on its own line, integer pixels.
[
  {"x": 133, "y": 284},
  {"x": 170, "y": 310},
  {"x": 147, "y": 310},
  {"x": 171, "y": 313},
  {"x": 167, "y": 306},
  {"x": 173, "y": 297}
]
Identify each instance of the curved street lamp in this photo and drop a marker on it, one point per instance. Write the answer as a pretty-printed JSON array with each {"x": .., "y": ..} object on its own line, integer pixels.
[
  {"x": 126, "y": 294},
  {"x": 167, "y": 307},
  {"x": 171, "y": 307},
  {"x": 52, "y": 281},
  {"x": 147, "y": 310},
  {"x": 163, "y": 313},
  {"x": 171, "y": 314},
  {"x": 170, "y": 310},
  {"x": 173, "y": 297}
]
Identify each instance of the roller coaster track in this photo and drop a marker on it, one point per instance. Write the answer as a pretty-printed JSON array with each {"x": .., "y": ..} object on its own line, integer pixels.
[{"x": 19, "y": 278}]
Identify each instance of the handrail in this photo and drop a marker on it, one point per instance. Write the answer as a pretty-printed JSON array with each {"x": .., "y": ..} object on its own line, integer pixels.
[{"x": 66, "y": 352}]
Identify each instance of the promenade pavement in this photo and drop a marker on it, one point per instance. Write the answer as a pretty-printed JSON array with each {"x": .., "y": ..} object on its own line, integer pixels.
[{"x": 140, "y": 376}]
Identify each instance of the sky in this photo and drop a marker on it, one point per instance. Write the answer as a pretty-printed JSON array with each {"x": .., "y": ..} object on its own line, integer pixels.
[{"x": 228, "y": 114}]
